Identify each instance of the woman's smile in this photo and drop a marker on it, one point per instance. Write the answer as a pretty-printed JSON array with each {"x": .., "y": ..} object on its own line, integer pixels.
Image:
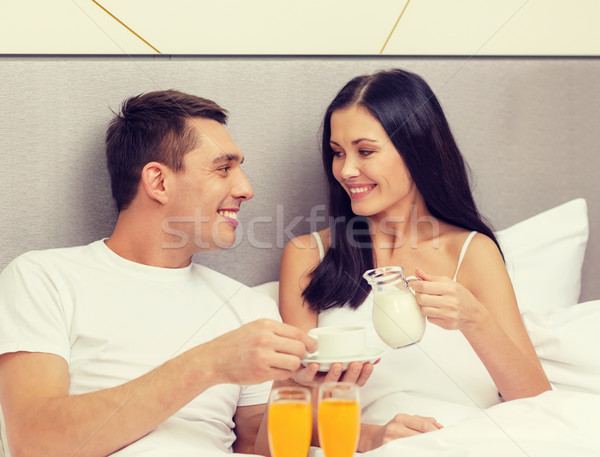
[{"x": 360, "y": 190}]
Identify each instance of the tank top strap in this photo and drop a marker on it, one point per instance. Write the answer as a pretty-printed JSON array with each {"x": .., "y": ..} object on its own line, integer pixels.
[
  {"x": 463, "y": 252},
  {"x": 317, "y": 237}
]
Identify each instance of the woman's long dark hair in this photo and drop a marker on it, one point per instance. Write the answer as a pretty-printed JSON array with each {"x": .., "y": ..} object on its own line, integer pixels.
[{"x": 413, "y": 119}]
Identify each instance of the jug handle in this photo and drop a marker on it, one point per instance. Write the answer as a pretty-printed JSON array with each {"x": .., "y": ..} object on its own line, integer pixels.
[{"x": 412, "y": 278}]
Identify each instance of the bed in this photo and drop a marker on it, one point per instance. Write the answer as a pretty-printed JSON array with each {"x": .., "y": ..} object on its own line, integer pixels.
[{"x": 528, "y": 128}]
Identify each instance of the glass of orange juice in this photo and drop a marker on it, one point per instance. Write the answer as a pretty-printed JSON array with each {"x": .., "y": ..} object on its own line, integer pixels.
[
  {"x": 338, "y": 418},
  {"x": 290, "y": 422}
]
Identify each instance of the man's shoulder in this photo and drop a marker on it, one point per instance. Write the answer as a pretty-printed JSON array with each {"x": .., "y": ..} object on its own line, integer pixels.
[
  {"x": 226, "y": 284},
  {"x": 252, "y": 303},
  {"x": 209, "y": 273},
  {"x": 48, "y": 258}
]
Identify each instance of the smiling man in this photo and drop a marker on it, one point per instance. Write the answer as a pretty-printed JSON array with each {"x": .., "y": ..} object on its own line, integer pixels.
[{"x": 126, "y": 347}]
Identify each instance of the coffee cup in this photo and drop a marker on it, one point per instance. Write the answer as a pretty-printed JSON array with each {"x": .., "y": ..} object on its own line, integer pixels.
[{"x": 339, "y": 342}]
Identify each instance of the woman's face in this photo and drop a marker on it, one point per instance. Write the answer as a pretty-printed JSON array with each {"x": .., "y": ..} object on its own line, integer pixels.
[{"x": 367, "y": 164}]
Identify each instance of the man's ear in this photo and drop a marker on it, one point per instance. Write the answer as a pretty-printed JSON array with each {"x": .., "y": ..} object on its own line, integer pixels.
[{"x": 153, "y": 179}]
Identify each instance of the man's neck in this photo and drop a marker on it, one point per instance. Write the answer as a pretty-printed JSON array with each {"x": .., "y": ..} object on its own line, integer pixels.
[{"x": 141, "y": 242}]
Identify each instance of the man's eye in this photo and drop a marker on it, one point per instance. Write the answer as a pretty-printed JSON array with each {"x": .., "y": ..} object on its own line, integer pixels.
[{"x": 225, "y": 169}]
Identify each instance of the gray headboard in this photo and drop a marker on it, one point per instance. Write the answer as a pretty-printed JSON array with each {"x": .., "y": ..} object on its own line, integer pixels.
[{"x": 528, "y": 127}]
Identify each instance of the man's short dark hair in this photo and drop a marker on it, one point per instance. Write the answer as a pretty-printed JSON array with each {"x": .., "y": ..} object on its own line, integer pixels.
[{"x": 153, "y": 127}]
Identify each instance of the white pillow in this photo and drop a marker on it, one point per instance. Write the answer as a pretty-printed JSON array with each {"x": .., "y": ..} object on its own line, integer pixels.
[
  {"x": 544, "y": 256},
  {"x": 567, "y": 341},
  {"x": 270, "y": 289}
]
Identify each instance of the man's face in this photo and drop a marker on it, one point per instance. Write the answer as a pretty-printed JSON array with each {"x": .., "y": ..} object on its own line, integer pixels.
[{"x": 204, "y": 198}]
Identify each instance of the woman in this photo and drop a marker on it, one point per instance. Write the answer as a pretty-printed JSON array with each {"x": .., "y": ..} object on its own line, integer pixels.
[{"x": 399, "y": 195}]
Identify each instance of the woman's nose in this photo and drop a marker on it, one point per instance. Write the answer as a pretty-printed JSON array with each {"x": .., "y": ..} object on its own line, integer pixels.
[{"x": 350, "y": 168}]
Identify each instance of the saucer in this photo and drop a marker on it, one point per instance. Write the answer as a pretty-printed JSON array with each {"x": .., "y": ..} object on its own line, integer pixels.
[{"x": 370, "y": 355}]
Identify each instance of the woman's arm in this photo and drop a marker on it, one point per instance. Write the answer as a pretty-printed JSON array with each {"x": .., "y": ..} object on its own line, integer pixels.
[
  {"x": 299, "y": 258},
  {"x": 248, "y": 420},
  {"x": 482, "y": 305}
]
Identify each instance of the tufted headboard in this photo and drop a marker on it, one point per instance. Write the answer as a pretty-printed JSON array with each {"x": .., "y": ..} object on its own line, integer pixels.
[{"x": 528, "y": 128}]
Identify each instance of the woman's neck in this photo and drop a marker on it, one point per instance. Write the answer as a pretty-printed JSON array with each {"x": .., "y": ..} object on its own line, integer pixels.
[{"x": 406, "y": 225}]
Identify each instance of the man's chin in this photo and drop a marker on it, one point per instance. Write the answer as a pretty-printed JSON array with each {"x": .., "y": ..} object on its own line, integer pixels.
[{"x": 215, "y": 244}]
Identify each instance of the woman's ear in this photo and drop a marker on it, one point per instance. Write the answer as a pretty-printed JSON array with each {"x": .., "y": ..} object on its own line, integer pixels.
[{"x": 153, "y": 179}]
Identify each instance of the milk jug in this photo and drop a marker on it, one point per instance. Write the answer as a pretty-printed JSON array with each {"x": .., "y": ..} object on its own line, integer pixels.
[{"x": 397, "y": 317}]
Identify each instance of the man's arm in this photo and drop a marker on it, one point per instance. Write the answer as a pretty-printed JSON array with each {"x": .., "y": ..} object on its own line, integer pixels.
[{"x": 42, "y": 419}]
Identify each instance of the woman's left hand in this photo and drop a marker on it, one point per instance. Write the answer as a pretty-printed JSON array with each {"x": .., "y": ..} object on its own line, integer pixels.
[
  {"x": 445, "y": 302},
  {"x": 357, "y": 373},
  {"x": 401, "y": 425}
]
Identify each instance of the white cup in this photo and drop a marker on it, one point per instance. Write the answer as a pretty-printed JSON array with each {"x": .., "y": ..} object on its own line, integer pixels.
[{"x": 339, "y": 342}]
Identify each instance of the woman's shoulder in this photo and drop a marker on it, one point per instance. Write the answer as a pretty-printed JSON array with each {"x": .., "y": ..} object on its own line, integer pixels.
[
  {"x": 481, "y": 256},
  {"x": 310, "y": 241},
  {"x": 301, "y": 256},
  {"x": 483, "y": 245},
  {"x": 459, "y": 239},
  {"x": 476, "y": 256},
  {"x": 305, "y": 249},
  {"x": 466, "y": 250}
]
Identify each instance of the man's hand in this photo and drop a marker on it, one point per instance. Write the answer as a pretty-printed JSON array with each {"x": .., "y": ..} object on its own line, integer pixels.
[
  {"x": 259, "y": 351},
  {"x": 402, "y": 425}
]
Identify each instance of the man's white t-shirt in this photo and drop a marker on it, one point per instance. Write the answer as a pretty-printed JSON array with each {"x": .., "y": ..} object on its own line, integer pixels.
[{"x": 113, "y": 320}]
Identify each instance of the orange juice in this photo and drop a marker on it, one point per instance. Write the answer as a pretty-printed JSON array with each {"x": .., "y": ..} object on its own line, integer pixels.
[
  {"x": 290, "y": 428},
  {"x": 339, "y": 424}
]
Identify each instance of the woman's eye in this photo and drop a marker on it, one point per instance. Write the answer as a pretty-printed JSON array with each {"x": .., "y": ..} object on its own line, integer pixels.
[
  {"x": 338, "y": 154},
  {"x": 364, "y": 152}
]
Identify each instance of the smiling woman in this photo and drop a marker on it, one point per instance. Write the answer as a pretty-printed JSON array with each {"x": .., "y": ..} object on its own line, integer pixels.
[
  {"x": 399, "y": 195},
  {"x": 416, "y": 173},
  {"x": 368, "y": 166}
]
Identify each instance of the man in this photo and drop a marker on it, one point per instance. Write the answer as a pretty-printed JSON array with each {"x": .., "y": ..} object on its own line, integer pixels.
[{"x": 125, "y": 346}]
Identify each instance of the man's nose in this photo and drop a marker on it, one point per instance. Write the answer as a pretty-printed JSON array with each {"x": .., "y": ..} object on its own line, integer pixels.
[{"x": 243, "y": 188}]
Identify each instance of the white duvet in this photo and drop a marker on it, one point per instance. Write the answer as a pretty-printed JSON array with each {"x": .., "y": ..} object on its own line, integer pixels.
[
  {"x": 564, "y": 422},
  {"x": 561, "y": 423},
  {"x": 555, "y": 423}
]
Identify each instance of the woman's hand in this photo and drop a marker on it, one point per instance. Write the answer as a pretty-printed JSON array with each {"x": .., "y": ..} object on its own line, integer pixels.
[
  {"x": 445, "y": 302},
  {"x": 357, "y": 373},
  {"x": 402, "y": 425}
]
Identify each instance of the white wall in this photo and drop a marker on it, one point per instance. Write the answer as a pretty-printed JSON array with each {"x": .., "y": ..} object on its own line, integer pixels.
[{"x": 308, "y": 27}]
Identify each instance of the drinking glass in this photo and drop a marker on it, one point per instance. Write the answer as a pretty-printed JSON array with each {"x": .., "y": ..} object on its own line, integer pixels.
[
  {"x": 290, "y": 422},
  {"x": 338, "y": 418}
]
